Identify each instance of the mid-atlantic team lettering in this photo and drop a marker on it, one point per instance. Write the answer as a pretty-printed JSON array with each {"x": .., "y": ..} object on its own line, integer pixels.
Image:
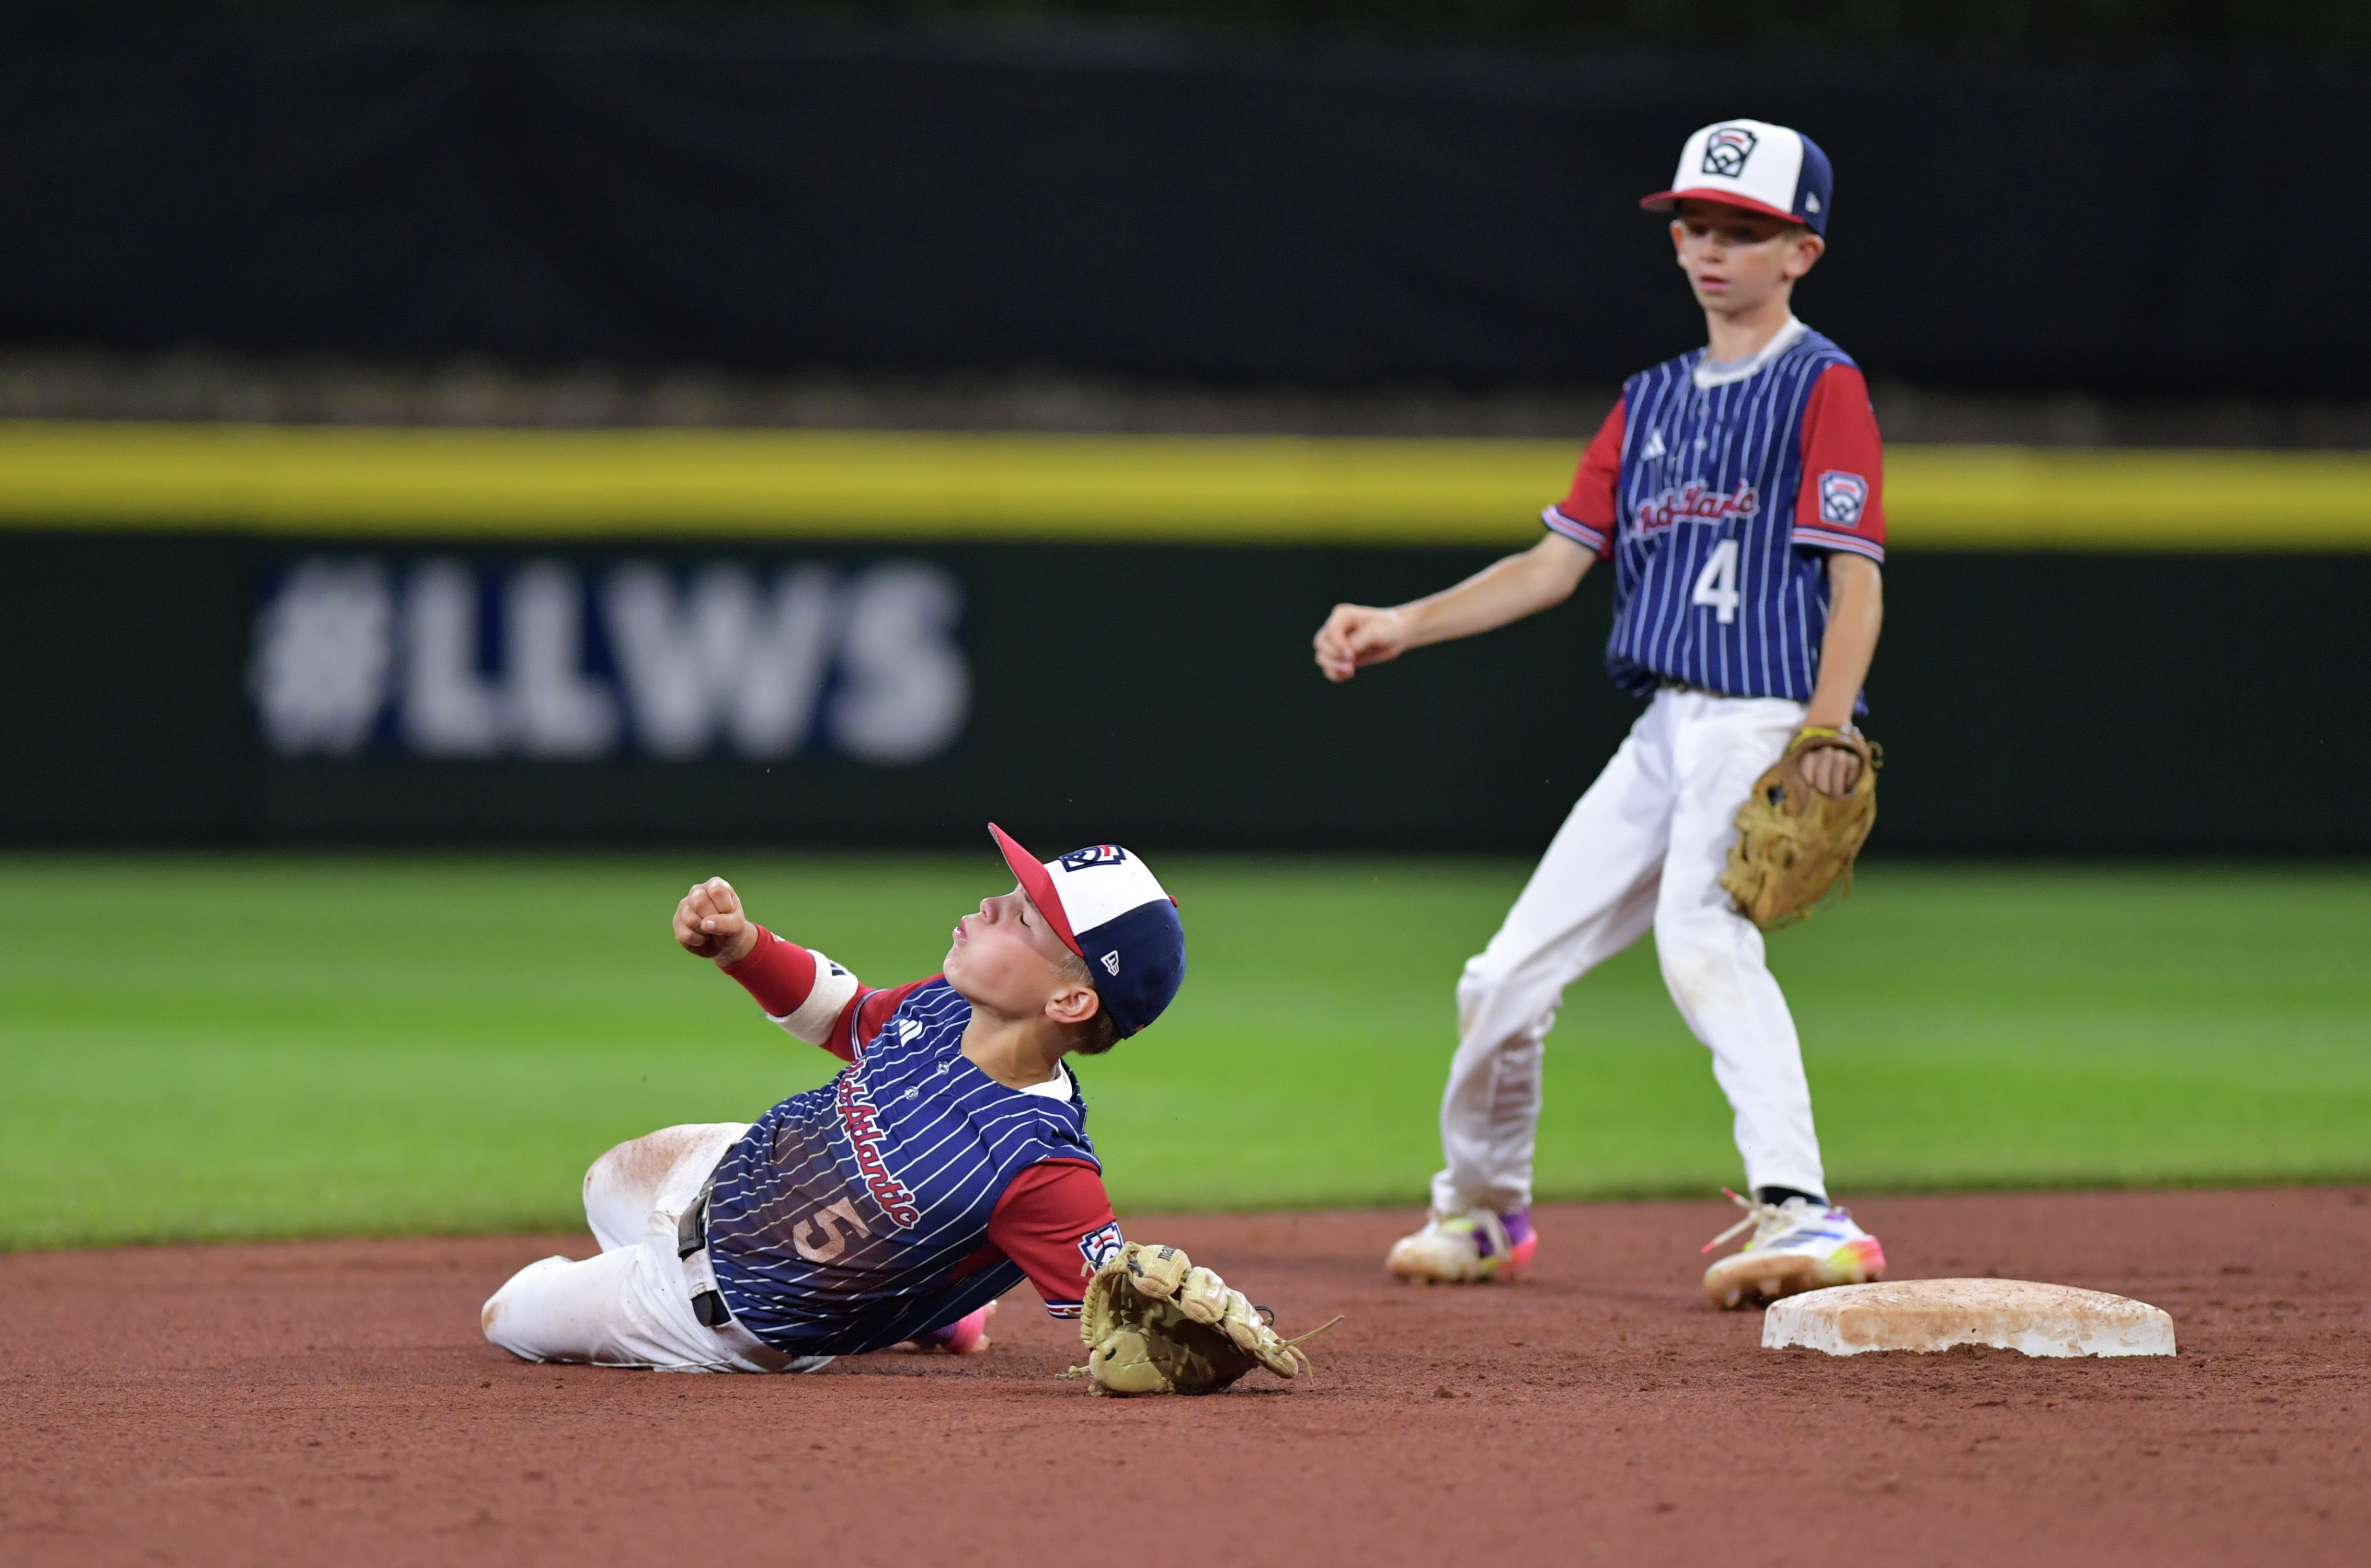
[
  {"x": 1695, "y": 503},
  {"x": 858, "y": 1115}
]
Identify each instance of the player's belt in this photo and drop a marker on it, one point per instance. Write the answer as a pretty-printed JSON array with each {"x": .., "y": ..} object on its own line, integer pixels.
[{"x": 698, "y": 1269}]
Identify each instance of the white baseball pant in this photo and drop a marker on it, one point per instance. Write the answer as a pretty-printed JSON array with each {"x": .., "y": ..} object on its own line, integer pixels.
[
  {"x": 630, "y": 1305},
  {"x": 1645, "y": 846}
]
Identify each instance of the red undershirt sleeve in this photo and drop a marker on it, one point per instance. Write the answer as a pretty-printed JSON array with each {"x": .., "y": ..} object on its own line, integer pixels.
[
  {"x": 1842, "y": 505},
  {"x": 779, "y": 974},
  {"x": 1055, "y": 1220},
  {"x": 1586, "y": 514},
  {"x": 814, "y": 999}
]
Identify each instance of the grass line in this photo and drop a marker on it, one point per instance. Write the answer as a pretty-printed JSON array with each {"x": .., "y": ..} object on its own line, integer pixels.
[{"x": 304, "y": 1046}]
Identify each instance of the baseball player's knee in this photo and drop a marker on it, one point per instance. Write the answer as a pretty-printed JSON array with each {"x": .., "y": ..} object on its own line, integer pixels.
[
  {"x": 1483, "y": 996},
  {"x": 1707, "y": 965},
  {"x": 1702, "y": 932},
  {"x": 616, "y": 1167},
  {"x": 504, "y": 1302},
  {"x": 635, "y": 1170},
  {"x": 1475, "y": 988},
  {"x": 1491, "y": 977}
]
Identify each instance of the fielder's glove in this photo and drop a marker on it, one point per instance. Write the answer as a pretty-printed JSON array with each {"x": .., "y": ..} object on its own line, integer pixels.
[
  {"x": 1795, "y": 843},
  {"x": 1155, "y": 1324}
]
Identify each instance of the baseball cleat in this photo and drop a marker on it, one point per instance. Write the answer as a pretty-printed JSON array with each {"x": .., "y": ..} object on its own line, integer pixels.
[
  {"x": 1464, "y": 1249},
  {"x": 967, "y": 1335},
  {"x": 1797, "y": 1246}
]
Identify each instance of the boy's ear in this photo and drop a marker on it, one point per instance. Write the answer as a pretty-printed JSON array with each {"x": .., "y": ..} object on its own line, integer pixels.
[
  {"x": 1074, "y": 1004},
  {"x": 1808, "y": 248}
]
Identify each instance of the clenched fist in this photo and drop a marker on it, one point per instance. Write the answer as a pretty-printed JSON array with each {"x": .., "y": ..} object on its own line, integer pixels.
[
  {"x": 1355, "y": 636},
  {"x": 710, "y": 922}
]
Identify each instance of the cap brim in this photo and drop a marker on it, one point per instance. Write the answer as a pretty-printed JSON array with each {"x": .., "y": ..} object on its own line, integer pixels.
[
  {"x": 1031, "y": 873},
  {"x": 1664, "y": 201}
]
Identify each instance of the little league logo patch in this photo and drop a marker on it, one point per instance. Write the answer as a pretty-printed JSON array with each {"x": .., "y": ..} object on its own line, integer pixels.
[
  {"x": 1100, "y": 1247},
  {"x": 1842, "y": 496},
  {"x": 1727, "y": 149},
  {"x": 1094, "y": 855}
]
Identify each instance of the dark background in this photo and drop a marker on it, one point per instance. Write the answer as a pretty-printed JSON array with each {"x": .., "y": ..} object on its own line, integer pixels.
[
  {"x": 2116, "y": 200},
  {"x": 759, "y": 192},
  {"x": 2066, "y": 705}
]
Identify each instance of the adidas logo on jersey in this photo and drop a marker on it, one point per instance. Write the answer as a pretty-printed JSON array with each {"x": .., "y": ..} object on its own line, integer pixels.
[{"x": 1654, "y": 445}]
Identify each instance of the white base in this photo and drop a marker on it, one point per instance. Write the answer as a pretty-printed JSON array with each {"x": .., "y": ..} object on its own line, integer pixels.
[{"x": 1935, "y": 1314}]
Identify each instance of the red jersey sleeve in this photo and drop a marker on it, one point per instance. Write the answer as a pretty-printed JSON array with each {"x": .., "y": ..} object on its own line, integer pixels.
[
  {"x": 1586, "y": 515},
  {"x": 1055, "y": 1220},
  {"x": 1842, "y": 506},
  {"x": 861, "y": 1022},
  {"x": 813, "y": 998}
]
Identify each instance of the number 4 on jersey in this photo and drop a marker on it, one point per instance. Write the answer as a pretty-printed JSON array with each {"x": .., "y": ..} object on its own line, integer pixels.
[{"x": 1717, "y": 583}]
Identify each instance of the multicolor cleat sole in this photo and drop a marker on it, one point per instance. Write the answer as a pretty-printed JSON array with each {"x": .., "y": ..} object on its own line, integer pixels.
[
  {"x": 1454, "y": 1254},
  {"x": 1755, "y": 1278}
]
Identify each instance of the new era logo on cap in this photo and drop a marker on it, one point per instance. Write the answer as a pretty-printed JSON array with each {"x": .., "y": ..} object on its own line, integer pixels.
[
  {"x": 1105, "y": 902},
  {"x": 1755, "y": 165}
]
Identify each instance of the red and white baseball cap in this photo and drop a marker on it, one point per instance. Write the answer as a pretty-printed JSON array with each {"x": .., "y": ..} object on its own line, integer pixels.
[
  {"x": 1108, "y": 908},
  {"x": 1755, "y": 165}
]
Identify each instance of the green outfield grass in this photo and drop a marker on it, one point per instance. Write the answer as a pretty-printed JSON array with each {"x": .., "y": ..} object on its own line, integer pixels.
[{"x": 214, "y": 1046}]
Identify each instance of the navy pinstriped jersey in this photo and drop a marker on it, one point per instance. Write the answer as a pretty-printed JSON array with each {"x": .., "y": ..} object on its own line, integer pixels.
[
  {"x": 1719, "y": 547},
  {"x": 856, "y": 1215}
]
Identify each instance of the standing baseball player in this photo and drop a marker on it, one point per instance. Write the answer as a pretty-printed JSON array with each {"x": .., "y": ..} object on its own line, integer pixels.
[
  {"x": 897, "y": 1202},
  {"x": 1737, "y": 490}
]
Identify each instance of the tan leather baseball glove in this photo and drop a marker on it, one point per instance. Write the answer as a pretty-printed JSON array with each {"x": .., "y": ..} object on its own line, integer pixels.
[
  {"x": 1794, "y": 843},
  {"x": 1153, "y": 1323}
]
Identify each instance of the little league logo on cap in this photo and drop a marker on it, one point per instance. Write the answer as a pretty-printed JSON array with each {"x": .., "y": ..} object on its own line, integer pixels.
[
  {"x": 1726, "y": 150},
  {"x": 1757, "y": 166},
  {"x": 1105, "y": 905}
]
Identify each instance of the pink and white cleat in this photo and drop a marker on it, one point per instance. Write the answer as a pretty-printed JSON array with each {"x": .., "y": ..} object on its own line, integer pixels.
[
  {"x": 1465, "y": 1248},
  {"x": 1797, "y": 1245},
  {"x": 967, "y": 1335}
]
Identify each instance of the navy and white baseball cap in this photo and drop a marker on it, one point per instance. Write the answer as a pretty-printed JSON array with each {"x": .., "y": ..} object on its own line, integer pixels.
[
  {"x": 1106, "y": 906},
  {"x": 1755, "y": 165}
]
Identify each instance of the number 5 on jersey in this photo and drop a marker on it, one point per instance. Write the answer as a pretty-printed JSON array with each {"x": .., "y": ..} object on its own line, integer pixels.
[
  {"x": 819, "y": 1238},
  {"x": 1717, "y": 583}
]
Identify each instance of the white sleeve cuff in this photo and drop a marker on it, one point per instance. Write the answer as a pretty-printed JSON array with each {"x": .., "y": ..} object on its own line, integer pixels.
[{"x": 813, "y": 1021}]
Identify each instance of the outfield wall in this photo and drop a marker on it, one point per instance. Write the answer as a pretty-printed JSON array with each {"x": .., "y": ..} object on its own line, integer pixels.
[{"x": 211, "y": 636}]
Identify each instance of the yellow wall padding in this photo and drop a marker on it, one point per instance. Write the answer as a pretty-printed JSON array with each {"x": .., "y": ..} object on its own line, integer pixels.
[{"x": 298, "y": 480}]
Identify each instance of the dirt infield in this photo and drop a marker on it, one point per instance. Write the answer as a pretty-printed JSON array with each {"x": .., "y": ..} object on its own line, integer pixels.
[{"x": 332, "y": 1401}]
